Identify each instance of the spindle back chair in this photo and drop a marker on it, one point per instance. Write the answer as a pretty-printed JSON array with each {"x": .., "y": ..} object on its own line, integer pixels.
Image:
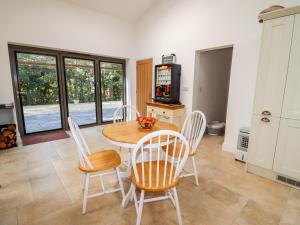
[
  {"x": 96, "y": 164},
  {"x": 193, "y": 130},
  {"x": 152, "y": 172},
  {"x": 125, "y": 113}
]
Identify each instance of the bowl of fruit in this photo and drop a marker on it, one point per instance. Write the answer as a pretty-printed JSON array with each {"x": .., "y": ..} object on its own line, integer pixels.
[{"x": 146, "y": 122}]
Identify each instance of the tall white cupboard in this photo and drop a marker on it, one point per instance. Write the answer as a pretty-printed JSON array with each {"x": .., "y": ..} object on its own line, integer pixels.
[{"x": 274, "y": 148}]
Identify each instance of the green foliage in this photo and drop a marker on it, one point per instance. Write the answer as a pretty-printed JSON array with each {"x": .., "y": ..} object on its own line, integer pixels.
[
  {"x": 111, "y": 85},
  {"x": 38, "y": 83},
  {"x": 80, "y": 80}
]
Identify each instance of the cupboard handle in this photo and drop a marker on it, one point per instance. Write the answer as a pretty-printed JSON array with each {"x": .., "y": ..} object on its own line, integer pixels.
[
  {"x": 266, "y": 113},
  {"x": 265, "y": 119}
]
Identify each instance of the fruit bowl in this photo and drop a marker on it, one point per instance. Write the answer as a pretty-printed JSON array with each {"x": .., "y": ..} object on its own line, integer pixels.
[{"x": 146, "y": 122}]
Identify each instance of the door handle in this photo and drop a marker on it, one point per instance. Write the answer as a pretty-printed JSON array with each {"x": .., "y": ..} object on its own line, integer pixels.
[
  {"x": 265, "y": 119},
  {"x": 266, "y": 113},
  {"x": 20, "y": 92}
]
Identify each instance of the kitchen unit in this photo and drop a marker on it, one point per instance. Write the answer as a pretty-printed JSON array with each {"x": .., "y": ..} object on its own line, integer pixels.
[
  {"x": 172, "y": 113},
  {"x": 274, "y": 150}
]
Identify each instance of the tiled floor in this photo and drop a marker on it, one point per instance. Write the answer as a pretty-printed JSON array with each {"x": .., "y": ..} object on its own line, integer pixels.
[{"x": 41, "y": 185}]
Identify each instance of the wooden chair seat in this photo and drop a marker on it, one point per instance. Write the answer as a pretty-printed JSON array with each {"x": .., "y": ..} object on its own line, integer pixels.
[
  {"x": 153, "y": 187},
  {"x": 177, "y": 150},
  {"x": 102, "y": 160}
]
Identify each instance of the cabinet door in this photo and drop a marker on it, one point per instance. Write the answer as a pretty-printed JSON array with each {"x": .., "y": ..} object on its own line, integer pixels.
[
  {"x": 263, "y": 137},
  {"x": 287, "y": 156},
  {"x": 291, "y": 102},
  {"x": 273, "y": 65}
]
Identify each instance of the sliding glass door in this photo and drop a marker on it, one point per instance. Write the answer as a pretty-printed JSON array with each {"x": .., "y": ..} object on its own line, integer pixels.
[
  {"x": 112, "y": 88},
  {"x": 38, "y": 91},
  {"x": 80, "y": 82},
  {"x": 50, "y": 85}
]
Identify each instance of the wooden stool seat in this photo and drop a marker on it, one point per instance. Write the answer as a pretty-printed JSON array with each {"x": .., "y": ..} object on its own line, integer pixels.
[
  {"x": 177, "y": 150},
  {"x": 153, "y": 187},
  {"x": 102, "y": 160}
]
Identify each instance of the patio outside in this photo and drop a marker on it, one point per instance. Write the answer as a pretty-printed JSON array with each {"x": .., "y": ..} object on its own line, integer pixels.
[{"x": 47, "y": 117}]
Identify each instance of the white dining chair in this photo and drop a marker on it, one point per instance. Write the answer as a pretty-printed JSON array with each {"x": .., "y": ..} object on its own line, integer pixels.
[
  {"x": 152, "y": 172},
  {"x": 193, "y": 129},
  {"x": 96, "y": 164},
  {"x": 126, "y": 111}
]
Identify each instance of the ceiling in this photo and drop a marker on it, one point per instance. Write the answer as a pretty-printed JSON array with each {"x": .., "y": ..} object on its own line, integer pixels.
[{"x": 129, "y": 10}]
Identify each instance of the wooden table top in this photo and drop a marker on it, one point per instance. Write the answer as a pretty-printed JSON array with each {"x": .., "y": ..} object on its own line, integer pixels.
[
  {"x": 165, "y": 106},
  {"x": 131, "y": 132}
]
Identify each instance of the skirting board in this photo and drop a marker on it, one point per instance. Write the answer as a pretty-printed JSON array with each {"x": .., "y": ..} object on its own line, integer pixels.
[
  {"x": 228, "y": 147},
  {"x": 269, "y": 174}
]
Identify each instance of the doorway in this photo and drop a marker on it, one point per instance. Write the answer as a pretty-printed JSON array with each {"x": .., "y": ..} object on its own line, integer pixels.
[
  {"x": 143, "y": 84},
  {"x": 211, "y": 82}
]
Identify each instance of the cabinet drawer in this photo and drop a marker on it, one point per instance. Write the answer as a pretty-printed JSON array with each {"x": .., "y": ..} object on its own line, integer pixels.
[
  {"x": 160, "y": 111},
  {"x": 287, "y": 156},
  {"x": 263, "y": 138}
]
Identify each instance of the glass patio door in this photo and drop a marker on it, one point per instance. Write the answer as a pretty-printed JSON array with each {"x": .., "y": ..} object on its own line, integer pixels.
[
  {"x": 112, "y": 88},
  {"x": 38, "y": 91},
  {"x": 80, "y": 85},
  {"x": 50, "y": 85}
]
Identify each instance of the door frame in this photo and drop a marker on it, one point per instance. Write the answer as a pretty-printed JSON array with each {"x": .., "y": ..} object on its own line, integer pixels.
[
  {"x": 76, "y": 56},
  {"x": 152, "y": 85},
  {"x": 123, "y": 63},
  {"x": 16, "y": 88},
  {"x": 60, "y": 55}
]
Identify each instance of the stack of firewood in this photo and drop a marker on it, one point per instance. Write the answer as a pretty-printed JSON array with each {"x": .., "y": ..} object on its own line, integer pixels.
[{"x": 8, "y": 136}]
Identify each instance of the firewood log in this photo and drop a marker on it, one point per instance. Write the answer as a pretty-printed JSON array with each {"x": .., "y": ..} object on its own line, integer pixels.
[
  {"x": 2, "y": 138},
  {"x": 6, "y": 133},
  {"x": 11, "y": 127},
  {"x": 2, "y": 145}
]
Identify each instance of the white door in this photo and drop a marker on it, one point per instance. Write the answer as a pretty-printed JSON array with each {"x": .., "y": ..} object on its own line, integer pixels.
[
  {"x": 263, "y": 141},
  {"x": 291, "y": 103},
  {"x": 273, "y": 65},
  {"x": 287, "y": 156}
]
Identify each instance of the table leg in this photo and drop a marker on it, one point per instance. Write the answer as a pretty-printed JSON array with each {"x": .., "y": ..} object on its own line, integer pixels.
[{"x": 126, "y": 174}]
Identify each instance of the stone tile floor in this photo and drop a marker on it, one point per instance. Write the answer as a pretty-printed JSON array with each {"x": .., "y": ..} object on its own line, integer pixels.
[{"x": 42, "y": 185}]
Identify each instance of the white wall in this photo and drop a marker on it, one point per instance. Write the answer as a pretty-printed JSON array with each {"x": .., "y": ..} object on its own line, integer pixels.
[
  {"x": 184, "y": 26},
  {"x": 59, "y": 25}
]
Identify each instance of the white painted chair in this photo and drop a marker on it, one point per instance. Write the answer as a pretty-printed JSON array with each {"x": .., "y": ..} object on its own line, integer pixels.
[
  {"x": 152, "y": 172},
  {"x": 96, "y": 164},
  {"x": 193, "y": 129},
  {"x": 126, "y": 111}
]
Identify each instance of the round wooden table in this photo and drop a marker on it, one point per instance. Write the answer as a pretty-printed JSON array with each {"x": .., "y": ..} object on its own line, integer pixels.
[{"x": 127, "y": 134}]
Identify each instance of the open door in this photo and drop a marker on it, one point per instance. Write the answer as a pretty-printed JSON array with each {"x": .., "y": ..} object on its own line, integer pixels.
[{"x": 143, "y": 84}]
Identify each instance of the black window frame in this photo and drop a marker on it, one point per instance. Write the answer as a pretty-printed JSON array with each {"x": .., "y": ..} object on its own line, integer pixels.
[
  {"x": 124, "y": 85},
  {"x": 63, "y": 100}
]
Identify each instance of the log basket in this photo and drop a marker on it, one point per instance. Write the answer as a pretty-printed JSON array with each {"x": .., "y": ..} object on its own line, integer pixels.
[{"x": 8, "y": 137}]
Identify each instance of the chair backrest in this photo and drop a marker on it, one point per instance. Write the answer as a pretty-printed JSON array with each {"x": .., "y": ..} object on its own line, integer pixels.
[
  {"x": 151, "y": 158},
  {"x": 193, "y": 128},
  {"x": 82, "y": 148},
  {"x": 126, "y": 111}
]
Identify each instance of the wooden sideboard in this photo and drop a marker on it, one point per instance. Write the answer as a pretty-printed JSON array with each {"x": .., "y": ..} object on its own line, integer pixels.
[{"x": 172, "y": 113}]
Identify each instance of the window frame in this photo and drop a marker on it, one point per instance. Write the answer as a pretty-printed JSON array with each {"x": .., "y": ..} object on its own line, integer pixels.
[
  {"x": 124, "y": 87},
  {"x": 62, "y": 85}
]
